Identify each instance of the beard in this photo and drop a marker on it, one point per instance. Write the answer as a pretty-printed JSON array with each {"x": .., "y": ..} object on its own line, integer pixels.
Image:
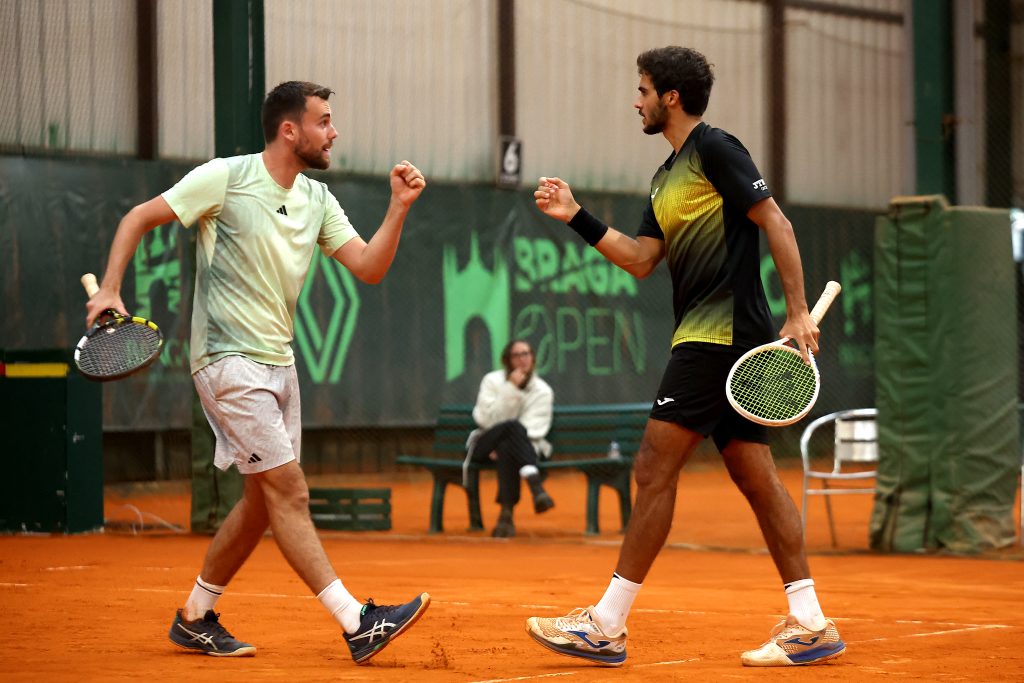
[
  {"x": 656, "y": 120},
  {"x": 312, "y": 156}
]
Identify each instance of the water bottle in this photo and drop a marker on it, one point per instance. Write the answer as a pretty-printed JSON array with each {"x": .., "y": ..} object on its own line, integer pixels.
[{"x": 613, "y": 450}]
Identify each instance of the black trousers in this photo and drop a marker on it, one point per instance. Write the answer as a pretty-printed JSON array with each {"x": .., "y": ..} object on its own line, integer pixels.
[{"x": 514, "y": 450}]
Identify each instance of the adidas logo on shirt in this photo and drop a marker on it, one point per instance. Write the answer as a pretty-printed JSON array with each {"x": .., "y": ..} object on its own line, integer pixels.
[{"x": 283, "y": 211}]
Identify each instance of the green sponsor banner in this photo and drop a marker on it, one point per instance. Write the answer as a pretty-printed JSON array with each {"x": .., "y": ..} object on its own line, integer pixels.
[{"x": 476, "y": 267}]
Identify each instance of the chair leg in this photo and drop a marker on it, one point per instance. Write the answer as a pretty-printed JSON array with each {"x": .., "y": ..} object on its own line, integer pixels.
[
  {"x": 437, "y": 505},
  {"x": 593, "y": 498},
  {"x": 473, "y": 500},
  {"x": 831, "y": 521}
]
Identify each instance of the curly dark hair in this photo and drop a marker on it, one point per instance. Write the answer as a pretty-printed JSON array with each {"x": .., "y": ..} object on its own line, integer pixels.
[
  {"x": 681, "y": 69},
  {"x": 288, "y": 101}
]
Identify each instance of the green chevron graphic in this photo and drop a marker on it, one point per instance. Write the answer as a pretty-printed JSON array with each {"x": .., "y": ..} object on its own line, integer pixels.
[{"x": 324, "y": 350}]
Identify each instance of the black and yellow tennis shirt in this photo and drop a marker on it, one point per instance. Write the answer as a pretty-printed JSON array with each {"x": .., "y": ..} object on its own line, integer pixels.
[{"x": 699, "y": 203}]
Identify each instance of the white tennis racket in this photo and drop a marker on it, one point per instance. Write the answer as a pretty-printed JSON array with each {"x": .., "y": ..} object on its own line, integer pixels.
[{"x": 771, "y": 384}]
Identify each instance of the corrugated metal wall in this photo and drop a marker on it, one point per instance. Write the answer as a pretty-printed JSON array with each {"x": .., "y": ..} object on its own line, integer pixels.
[
  {"x": 847, "y": 108},
  {"x": 414, "y": 80},
  {"x": 67, "y": 73},
  {"x": 576, "y": 82},
  {"x": 185, "y": 68},
  {"x": 418, "y": 79}
]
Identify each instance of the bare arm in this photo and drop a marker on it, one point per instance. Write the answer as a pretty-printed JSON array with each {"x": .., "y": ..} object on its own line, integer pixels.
[
  {"x": 370, "y": 261},
  {"x": 782, "y": 243},
  {"x": 130, "y": 230},
  {"x": 638, "y": 257}
]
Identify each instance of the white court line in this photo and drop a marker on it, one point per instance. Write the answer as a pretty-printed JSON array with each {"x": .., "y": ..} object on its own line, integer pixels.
[
  {"x": 67, "y": 569},
  {"x": 573, "y": 673},
  {"x": 668, "y": 663},
  {"x": 528, "y": 678},
  {"x": 967, "y": 628},
  {"x": 14, "y": 585},
  {"x": 239, "y": 593}
]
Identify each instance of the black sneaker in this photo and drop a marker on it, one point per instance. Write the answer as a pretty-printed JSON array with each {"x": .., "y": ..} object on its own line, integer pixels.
[
  {"x": 542, "y": 502},
  {"x": 380, "y": 624},
  {"x": 504, "y": 529},
  {"x": 207, "y": 636}
]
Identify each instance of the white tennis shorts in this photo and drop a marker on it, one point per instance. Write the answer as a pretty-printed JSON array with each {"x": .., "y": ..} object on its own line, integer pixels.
[{"x": 254, "y": 412}]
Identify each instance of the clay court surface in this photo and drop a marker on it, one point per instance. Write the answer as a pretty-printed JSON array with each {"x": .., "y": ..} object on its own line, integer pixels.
[{"x": 98, "y": 606}]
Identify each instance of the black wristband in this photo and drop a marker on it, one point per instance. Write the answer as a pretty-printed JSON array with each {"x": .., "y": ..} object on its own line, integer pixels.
[{"x": 589, "y": 228}]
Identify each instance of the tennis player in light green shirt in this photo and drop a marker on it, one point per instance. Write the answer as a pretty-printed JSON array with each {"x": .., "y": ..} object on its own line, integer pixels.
[
  {"x": 259, "y": 221},
  {"x": 256, "y": 239}
]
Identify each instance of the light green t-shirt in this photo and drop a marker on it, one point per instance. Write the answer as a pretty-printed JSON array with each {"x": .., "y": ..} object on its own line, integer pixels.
[{"x": 255, "y": 245}]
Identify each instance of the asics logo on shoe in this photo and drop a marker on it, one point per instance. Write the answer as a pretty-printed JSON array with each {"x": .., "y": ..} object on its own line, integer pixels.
[
  {"x": 199, "y": 637},
  {"x": 583, "y": 636},
  {"x": 663, "y": 401},
  {"x": 797, "y": 641},
  {"x": 379, "y": 630}
]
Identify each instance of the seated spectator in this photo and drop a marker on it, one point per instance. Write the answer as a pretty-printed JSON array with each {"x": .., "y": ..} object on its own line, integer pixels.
[{"x": 513, "y": 414}]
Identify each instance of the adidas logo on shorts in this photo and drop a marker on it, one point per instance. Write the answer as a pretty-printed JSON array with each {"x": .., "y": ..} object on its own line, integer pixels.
[{"x": 255, "y": 458}]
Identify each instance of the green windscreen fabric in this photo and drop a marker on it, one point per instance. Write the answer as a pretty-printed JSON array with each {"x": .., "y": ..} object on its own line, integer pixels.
[{"x": 946, "y": 384}]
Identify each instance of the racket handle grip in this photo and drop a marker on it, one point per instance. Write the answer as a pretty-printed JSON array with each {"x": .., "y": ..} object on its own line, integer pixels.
[
  {"x": 832, "y": 290},
  {"x": 90, "y": 284}
]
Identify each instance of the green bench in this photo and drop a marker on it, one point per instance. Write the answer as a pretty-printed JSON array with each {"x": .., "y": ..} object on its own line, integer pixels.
[
  {"x": 350, "y": 509},
  {"x": 580, "y": 436}
]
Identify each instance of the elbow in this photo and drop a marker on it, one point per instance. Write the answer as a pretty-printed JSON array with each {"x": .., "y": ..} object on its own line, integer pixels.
[
  {"x": 371, "y": 278},
  {"x": 368, "y": 276},
  {"x": 639, "y": 270}
]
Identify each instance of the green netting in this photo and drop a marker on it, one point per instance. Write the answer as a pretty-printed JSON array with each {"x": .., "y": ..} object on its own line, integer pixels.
[{"x": 946, "y": 365}]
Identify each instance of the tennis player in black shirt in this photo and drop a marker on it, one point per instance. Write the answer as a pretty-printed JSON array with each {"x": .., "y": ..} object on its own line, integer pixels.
[{"x": 708, "y": 205}]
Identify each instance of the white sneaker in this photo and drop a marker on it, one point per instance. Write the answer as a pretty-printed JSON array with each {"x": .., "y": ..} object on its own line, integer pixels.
[
  {"x": 579, "y": 635},
  {"x": 791, "y": 644}
]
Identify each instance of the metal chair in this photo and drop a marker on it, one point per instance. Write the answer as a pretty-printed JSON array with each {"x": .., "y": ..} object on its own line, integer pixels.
[{"x": 855, "y": 443}]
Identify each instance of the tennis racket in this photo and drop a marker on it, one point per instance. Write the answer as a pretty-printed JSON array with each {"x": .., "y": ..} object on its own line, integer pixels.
[
  {"x": 117, "y": 345},
  {"x": 771, "y": 384}
]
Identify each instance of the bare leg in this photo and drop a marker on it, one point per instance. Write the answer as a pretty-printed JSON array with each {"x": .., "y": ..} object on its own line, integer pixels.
[
  {"x": 287, "y": 497},
  {"x": 237, "y": 537},
  {"x": 664, "y": 450},
  {"x": 753, "y": 471}
]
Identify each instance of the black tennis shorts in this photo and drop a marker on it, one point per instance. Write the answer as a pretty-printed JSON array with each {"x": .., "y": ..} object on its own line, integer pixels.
[{"x": 692, "y": 394}]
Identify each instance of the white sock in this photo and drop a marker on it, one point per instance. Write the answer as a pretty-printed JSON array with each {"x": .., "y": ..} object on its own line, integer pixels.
[
  {"x": 343, "y": 607},
  {"x": 528, "y": 471},
  {"x": 203, "y": 597},
  {"x": 612, "y": 611},
  {"x": 803, "y": 604}
]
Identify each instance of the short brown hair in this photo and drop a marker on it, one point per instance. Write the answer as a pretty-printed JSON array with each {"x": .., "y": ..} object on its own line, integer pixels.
[{"x": 288, "y": 102}]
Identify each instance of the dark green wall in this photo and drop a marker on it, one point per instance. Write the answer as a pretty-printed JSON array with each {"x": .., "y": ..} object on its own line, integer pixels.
[{"x": 476, "y": 265}]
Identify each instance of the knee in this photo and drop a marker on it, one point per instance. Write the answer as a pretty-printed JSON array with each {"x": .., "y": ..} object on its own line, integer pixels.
[
  {"x": 511, "y": 428},
  {"x": 754, "y": 484},
  {"x": 285, "y": 487},
  {"x": 649, "y": 474}
]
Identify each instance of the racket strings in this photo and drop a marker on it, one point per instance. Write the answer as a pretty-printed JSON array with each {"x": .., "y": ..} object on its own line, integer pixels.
[
  {"x": 119, "y": 347},
  {"x": 774, "y": 385}
]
